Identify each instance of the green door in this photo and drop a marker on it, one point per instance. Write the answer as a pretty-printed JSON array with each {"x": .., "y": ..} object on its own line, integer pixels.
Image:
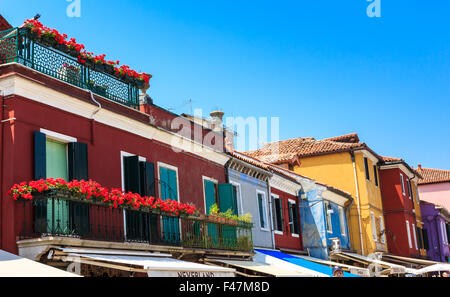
[
  {"x": 56, "y": 164},
  {"x": 228, "y": 200},
  {"x": 210, "y": 200},
  {"x": 169, "y": 190}
]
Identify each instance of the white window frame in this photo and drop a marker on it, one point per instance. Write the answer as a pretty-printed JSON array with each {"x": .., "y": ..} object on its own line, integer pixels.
[
  {"x": 383, "y": 234},
  {"x": 408, "y": 184},
  {"x": 415, "y": 237},
  {"x": 409, "y": 234},
  {"x": 290, "y": 202},
  {"x": 444, "y": 232},
  {"x": 215, "y": 181},
  {"x": 403, "y": 184},
  {"x": 329, "y": 225},
  {"x": 342, "y": 221},
  {"x": 374, "y": 227},
  {"x": 264, "y": 208},
  {"x": 239, "y": 199},
  {"x": 275, "y": 196}
]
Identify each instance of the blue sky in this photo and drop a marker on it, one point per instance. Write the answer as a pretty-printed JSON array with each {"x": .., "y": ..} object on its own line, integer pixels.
[{"x": 323, "y": 67}]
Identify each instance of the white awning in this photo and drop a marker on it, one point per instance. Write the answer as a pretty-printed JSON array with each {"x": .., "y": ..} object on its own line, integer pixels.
[
  {"x": 435, "y": 268},
  {"x": 154, "y": 266},
  {"x": 393, "y": 268},
  {"x": 352, "y": 269},
  {"x": 264, "y": 268},
  {"x": 15, "y": 266}
]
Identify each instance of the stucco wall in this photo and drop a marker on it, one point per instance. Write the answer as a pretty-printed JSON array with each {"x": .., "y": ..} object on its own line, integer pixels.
[
  {"x": 248, "y": 203},
  {"x": 438, "y": 194}
]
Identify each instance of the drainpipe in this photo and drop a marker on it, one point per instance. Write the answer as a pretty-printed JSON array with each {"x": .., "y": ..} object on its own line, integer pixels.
[
  {"x": 92, "y": 116},
  {"x": 269, "y": 198},
  {"x": 347, "y": 210},
  {"x": 352, "y": 155},
  {"x": 2, "y": 178}
]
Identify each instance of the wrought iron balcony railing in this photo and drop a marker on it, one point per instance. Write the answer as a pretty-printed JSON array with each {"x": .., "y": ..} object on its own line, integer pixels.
[
  {"x": 17, "y": 46},
  {"x": 64, "y": 216}
]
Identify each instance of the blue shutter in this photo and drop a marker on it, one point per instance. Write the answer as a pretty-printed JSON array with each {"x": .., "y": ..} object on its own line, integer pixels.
[
  {"x": 78, "y": 161},
  {"x": 40, "y": 156}
]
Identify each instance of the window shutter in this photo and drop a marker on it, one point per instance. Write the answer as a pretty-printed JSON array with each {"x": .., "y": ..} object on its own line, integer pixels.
[
  {"x": 295, "y": 217},
  {"x": 261, "y": 214},
  {"x": 78, "y": 161},
  {"x": 132, "y": 174},
  {"x": 425, "y": 239},
  {"x": 40, "y": 160},
  {"x": 227, "y": 199},
  {"x": 147, "y": 179},
  {"x": 210, "y": 195},
  {"x": 366, "y": 166}
]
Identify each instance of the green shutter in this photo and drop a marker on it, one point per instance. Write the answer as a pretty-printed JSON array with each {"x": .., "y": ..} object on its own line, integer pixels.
[
  {"x": 171, "y": 227},
  {"x": 132, "y": 174},
  {"x": 39, "y": 156},
  {"x": 210, "y": 195},
  {"x": 227, "y": 198},
  {"x": 147, "y": 179},
  {"x": 78, "y": 161}
]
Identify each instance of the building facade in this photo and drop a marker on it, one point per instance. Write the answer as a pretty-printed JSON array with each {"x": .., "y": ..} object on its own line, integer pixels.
[
  {"x": 437, "y": 225},
  {"x": 401, "y": 205},
  {"x": 347, "y": 164},
  {"x": 434, "y": 186}
]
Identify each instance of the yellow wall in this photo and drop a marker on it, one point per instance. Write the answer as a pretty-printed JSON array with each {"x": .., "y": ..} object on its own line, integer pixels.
[{"x": 337, "y": 170}]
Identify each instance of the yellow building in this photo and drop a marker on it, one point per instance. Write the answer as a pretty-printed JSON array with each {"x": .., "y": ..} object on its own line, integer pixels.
[
  {"x": 347, "y": 164},
  {"x": 419, "y": 222}
]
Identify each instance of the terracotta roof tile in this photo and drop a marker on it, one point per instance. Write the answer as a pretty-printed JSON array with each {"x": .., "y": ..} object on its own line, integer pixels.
[
  {"x": 286, "y": 150},
  {"x": 433, "y": 175},
  {"x": 349, "y": 138}
]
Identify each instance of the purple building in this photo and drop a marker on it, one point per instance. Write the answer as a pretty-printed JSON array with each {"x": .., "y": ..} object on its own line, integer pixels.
[{"x": 436, "y": 221}]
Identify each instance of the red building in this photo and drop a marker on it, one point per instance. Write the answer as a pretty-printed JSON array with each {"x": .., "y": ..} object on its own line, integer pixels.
[
  {"x": 403, "y": 228},
  {"x": 285, "y": 205},
  {"x": 54, "y": 124}
]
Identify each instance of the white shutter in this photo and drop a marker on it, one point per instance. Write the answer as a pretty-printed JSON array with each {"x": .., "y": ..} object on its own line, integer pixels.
[
  {"x": 374, "y": 227},
  {"x": 409, "y": 234},
  {"x": 383, "y": 236}
]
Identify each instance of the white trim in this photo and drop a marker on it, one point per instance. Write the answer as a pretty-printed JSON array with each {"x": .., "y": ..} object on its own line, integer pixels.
[
  {"x": 58, "y": 136},
  {"x": 240, "y": 204},
  {"x": 403, "y": 184},
  {"x": 295, "y": 235},
  {"x": 278, "y": 232},
  {"x": 171, "y": 167},
  {"x": 292, "y": 201},
  {"x": 382, "y": 228},
  {"x": 329, "y": 225},
  {"x": 203, "y": 186},
  {"x": 266, "y": 221},
  {"x": 273, "y": 197},
  {"x": 122, "y": 177},
  {"x": 409, "y": 234},
  {"x": 342, "y": 221}
]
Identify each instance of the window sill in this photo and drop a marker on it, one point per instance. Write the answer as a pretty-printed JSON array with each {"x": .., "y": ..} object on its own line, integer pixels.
[
  {"x": 265, "y": 230},
  {"x": 295, "y": 235},
  {"x": 278, "y": 232}
]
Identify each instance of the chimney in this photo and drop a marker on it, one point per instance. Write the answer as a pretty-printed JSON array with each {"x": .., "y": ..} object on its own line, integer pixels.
[
  {"x": 217, "y": 123},
  {"x": 420, "y": 166},
  {"x": 145, "y": 101}
]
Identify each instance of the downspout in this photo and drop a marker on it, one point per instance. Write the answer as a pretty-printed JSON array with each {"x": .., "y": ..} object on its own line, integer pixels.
[
  {"x": 347, "y": 210},
  {"x": 2, "y": 158},
  {"x": 92, "y": 116},
  {"x": 352, "y": 155},
  {"x": 269, "y": 198}
]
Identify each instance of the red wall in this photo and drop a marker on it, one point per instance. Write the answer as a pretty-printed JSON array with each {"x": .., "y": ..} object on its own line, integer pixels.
[
  {"x": 397, "y": 209},
  {"x": 286, "y": 240},
  {"x": 104, "y": 146}
]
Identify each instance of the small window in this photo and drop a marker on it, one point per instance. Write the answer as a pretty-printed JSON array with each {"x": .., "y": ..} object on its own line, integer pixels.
[
  {"x": 402, "y": 183},
  {"x": 293, "y": 218},
  {"x": 328, "y": 211},
  {"x": 278, "y": 211},
  {"x": 409, "y": 234},
  {"x": 366, "y": 166},
  {"x": 375, "y": 175},
  {"x": 374, "y": 227},
  {"x": 262, "y": 210},
  {"x": 342, "y": 221},
  {"x": 408, "y": 186},
  {"x": 383, "y": 236},
  {"x": 414, "y": 234}
]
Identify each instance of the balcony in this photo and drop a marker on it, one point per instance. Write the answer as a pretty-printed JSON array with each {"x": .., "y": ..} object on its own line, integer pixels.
[
  {"x": 17, "y": 46},
  {"x": 59, "y": 215}
]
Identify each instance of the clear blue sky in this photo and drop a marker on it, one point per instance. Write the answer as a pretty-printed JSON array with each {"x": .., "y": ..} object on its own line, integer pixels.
[{"x": 324, "y": 67}]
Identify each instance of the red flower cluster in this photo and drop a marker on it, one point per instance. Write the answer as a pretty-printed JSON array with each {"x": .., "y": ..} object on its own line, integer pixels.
[
  {"x": 82, "y": 54},
  {"x": 93, "y": 191}
]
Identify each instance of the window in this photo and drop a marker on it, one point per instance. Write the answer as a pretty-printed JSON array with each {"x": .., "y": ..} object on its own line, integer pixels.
[
  {"x": 168, "y": 184},
  {"x": 420, "y": 237},
  {"x": 366, "y": 166},
  {"x": 374, "y": 227},
  {"x": 328, "y": 211},
  {"x": 278, "y": 214},
  {"x": 402, "y": 182},
  {"x": 409, "y": 234},
  {"x": 342, "y": 221},
  {"x": 375, "y": 175},
  {"x": 415, "y": 237},
  {"x": 237, "y": 194},
  {"x": 425, "y": 239},
  {"x": 293, "y": 218},
  {"x": 262, "y": 210},
  {"x": 444, "y": 233},
  {"x": 383, "y": 235},
  {"x": 408, "y": 185}
]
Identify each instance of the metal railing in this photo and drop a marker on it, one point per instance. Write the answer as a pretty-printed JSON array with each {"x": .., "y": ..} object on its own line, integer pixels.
[
  {"x": 66, "y": 216},
  {"x": 17, "y": 46}
]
